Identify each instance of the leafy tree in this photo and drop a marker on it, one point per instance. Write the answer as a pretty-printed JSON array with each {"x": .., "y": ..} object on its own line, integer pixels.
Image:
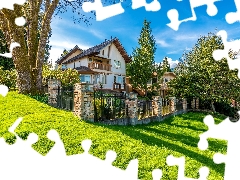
[
  {"x": 165, "y": 65},
  {"x": 200, "y": 76},
  {"x": 141, "y": 68},
  {"x": 67, "y": 77},
  {"x": 33, "y": 36}
]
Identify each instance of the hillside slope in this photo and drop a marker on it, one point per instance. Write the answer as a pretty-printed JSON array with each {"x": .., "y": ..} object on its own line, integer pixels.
[{"x": 150, "y": 144}]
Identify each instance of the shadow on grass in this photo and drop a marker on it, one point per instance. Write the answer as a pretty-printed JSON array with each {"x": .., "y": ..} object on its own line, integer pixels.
[{"x": 187, "y": 140}]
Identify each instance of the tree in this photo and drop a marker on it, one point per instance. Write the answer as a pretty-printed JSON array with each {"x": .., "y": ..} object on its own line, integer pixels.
[
  {"x": 200, "y": 76},
  {"x": 166, "y": 65},
  {"x": 64, "y": 53},
  {"x": 141, "y": 68},
  {"x": 32, "y": 37}
]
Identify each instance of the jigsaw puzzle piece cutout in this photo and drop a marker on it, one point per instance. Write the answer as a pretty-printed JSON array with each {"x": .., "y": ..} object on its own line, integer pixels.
[
  {"x": 233, "y": 17},
  {"x": 13, "y": 45},
  {"x": 157, "y": 174},
  {"x": 101, "y": 11},
  {"x": 173, "y": 14},
  {"x": 103, "y": 169},
  {"x": 153, "y": 6},
  {"x": 9, "y": 4},
  {"x": 180, "y": 162},
  {"x": 223, "y": 53},
  {"x": 3, "y": 90},
  {"x": 232, "y": 158}
]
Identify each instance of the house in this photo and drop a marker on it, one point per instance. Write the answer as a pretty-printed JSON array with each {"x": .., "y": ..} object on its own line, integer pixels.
[
  {"x": 102, "y": 64},
  {"x": 163, "y": 91}
]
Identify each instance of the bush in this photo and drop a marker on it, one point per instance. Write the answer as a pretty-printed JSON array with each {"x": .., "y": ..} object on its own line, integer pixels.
[
  {"x": 43, "y": 98},
  {"x": 226, "y": 109},
  {"x": 8, "y": 78}
]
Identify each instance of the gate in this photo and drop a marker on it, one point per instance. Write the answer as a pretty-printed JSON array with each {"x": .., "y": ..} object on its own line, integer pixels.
[
  {"x": 109, "y": 105},
  {"x": 65, "y": 98}
]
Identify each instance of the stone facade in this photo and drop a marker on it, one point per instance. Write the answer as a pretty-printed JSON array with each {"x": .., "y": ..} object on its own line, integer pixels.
[
  {"x": 53, "y": 88},
  {"x": 87, "y": 107},
  {"x": 77, "y": 99},
  {"x": 172, "y": 104}
]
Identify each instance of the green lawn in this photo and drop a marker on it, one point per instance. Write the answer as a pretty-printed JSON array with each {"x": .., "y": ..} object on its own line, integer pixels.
[{"x": 150, "y": 144}]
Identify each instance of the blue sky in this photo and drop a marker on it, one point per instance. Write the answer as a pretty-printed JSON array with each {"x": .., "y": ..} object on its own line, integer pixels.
[{"x": 127, "y": 27}]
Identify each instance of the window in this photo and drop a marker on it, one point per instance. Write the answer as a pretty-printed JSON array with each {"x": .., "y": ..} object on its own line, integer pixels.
[
  {"x": 104, "y": 79},
  {"x": 154, "y": 80},
  {"x": 119, "y": 79},
  {"x": 85, "y": 78},
  {"x": 96, "y": 79},
  {"x": 115, "y": 79},
  {"x": 103, "y": 52},
  {"x": 90, "y": 60},
  {"x": 117, "y": 64},
  {"x": 64, "y": 66},
  {"x": 124, "y": 80}
]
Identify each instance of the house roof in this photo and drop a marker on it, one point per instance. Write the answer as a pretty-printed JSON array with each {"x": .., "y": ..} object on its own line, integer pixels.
[
  {"x": 61, "y": 59},
  {"x": 169, "y": 73},
  {"x": 84, "y": 70},
  {"x": 96, "y": 50}
]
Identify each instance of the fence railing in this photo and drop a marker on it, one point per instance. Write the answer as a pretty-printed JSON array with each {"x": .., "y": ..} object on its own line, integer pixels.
[{"x": 113, "y": 106}]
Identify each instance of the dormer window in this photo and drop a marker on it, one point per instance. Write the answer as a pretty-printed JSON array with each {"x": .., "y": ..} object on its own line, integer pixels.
[{"x": 64, "y": 66}]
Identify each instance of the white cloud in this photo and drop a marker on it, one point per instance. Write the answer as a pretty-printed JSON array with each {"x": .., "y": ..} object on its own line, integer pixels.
[
  {"x": 162, "y": 43},
  {"x": 58, "y": 46},
  {"x": 173, "y": 63}
]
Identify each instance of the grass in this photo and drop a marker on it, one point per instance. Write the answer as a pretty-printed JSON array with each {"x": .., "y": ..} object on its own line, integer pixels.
[{"x": 150, "y": 144}]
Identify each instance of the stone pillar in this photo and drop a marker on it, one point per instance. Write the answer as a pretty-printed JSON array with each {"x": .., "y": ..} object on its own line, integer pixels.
[
  {"x": 77, "y": 102},
  {"x": 157, "y": 107},
  {"x": 193, "y": 103},
  {"x": 132, "y": 105},
  {"x": 54, "y": 87},
  {"x": 87, "y": 106},
  {"x": 197, "y": 103},
  {"x": 172, "y": 104},
  {"x": 184, "y": 104}
]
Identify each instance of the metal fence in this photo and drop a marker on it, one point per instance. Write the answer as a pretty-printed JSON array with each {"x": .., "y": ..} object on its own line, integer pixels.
[
  {"x": 65, "y": 98},
  {"x": 145, "y": 109},
  {"x": 109, "y": 105}
]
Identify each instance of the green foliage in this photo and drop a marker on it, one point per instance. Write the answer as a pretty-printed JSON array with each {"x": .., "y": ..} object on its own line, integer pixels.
[
  {"x": 68, "y": 77},
  {"x": 141, "y": 69},
  {"x": 43, "y": 98},
  {"x": 8, "y": 78},
  {"x": 199, "y": 75},
  {"x": 150, "y": 144},
  {"x": 226, "y": 109}
]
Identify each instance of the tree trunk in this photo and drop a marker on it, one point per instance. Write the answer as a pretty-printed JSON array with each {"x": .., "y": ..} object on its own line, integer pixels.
[{"x": 213, "y": 107}]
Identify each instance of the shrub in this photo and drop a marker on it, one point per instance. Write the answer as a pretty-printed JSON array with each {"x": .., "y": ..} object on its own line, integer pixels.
[
  {"x": 43, "y": 98},
  {"x": 8, "y": 78},
  {"x": 226, "y": 109}
]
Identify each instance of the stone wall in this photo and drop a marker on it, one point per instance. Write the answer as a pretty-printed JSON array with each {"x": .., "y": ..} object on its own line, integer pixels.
[
  {"x": 84, "y": 106},
  {"x": 53, "y": 87}
]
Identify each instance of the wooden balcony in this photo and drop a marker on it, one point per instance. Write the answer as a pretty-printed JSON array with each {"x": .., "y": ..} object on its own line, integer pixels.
[
  {"x": 119, "y": 87},
  {"x": 100, "y": 66}
]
